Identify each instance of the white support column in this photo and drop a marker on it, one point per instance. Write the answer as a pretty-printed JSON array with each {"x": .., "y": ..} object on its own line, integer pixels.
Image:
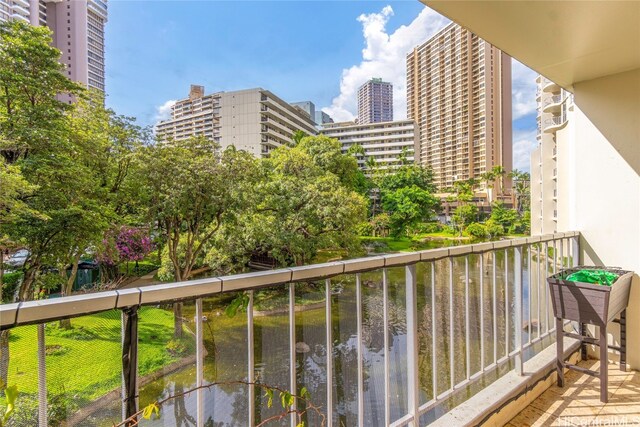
[
  {"x": 413, "y": 383},
  {"x": 507, "y": 328},
  {"x": 495, "y": 306},
  {"x": 199, "y": 364},
  {"x": 517, "y": 274}
]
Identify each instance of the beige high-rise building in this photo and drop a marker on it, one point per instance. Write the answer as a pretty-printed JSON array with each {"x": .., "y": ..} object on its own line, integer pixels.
[
  {"x": 78, "y": 32},
  {"x": 254, "y": 120},
  {"x": 459, "y": 93},
  {"x": 389, "y": 144},
  {"x": 550, "y": 195}
]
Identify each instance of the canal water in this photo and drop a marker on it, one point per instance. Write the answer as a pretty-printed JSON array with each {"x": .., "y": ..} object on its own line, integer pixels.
[{"x": 226, "y": 344}]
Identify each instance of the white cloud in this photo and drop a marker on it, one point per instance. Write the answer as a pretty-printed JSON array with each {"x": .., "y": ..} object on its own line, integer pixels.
[
  {"x": 523, "y": 97},
  {"x": 163, "y": 112},
  {"x": 524, "y": 142},
  {"x": 384, "y": 56}
]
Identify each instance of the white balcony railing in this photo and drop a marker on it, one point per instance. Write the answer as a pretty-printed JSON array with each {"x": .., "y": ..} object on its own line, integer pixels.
[{"x": 405, "y": 332}]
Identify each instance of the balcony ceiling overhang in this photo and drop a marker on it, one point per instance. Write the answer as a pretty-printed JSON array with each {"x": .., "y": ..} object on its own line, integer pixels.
[{"x": 566, "y": 41}]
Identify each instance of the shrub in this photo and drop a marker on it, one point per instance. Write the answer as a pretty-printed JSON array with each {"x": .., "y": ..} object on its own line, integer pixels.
[
  {"x": 494, "y": 229},
  {"x": 10, "y": 282},
  {"x": 364, "y": 229},
  {"x": 429, "y": 227},
  {"x": 479, "y": 231}
]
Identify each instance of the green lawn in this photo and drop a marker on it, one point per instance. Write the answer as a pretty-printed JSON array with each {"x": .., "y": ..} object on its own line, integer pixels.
[{"x": 85, "y": 361}]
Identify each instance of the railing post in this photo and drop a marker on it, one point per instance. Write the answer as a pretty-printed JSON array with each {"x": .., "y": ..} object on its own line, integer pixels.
[
  {"x": 452, "y": 366},
  {"x": 385, "y": 330},
  {"x": 434, "y": 332},
  {"x": 130, "y": 360},
  {"x": 42, "y": 379},
  {"x": 359, "y": 350},
  {"x": 251, "y": 362},
  {"x": 413, "y": 383},
  {"x": 199, "y": 364},
  {"x": 467, "y": 325},
  {"x": 517, "y": 274},
  {"x": 575, "y": 250},
  {"x": 292, "y": 351},
  {"x": 329, "y": 338}
]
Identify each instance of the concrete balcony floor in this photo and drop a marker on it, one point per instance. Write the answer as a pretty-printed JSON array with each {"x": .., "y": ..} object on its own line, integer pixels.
[{"x": 578, "y": 402}]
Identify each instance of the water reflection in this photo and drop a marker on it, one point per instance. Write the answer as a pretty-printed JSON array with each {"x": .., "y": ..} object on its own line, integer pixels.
[{"x": 489, "y": 292}]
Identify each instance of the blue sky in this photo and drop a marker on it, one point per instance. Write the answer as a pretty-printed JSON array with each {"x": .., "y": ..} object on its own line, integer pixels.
[{"x": 301, "y": 50}]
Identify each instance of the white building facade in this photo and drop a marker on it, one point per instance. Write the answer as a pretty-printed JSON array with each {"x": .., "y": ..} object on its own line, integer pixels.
[
  {"x": 389, "y": 144},
  {"x": 254, "y": 120}
]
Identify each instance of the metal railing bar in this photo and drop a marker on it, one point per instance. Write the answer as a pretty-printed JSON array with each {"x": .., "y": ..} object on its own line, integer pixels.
[
  {"x": 293, "y": 388},
  {"x": 539, "y": 328},
  {"x": 251, "y": 361},
  {"x": 530, "y": 294},
  {"x": 199, "y": 364},
  {"x": 517, "y": 286},
  {"x": 506, "y": 302},
  {"x": 451, "y": 329},
  {"x": 385, "y": 327},
  {"x": 546, "y": 288},
  {"x": 413, "y": 383},
  {"x": 359, "y": 350},
  {"x": 32, "y": 312},
  {"x": 329, "y": 339},
  {"x": 466, "y": 317},
  {"x": 481, "y": 312},
  {"x": 495, "y": 308},
  {"x": 42, "y": 379},
  {"x": 434, "y": 331},
  {"x": 405, "y": 420}
]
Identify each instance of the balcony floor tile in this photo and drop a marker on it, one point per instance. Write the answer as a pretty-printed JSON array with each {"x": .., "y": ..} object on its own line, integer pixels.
[{"x": 578, "y": 402}]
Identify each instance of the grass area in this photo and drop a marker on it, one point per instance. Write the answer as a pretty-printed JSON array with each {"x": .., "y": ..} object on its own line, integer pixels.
[
  {"x": 144, "y": 267},
  {"x": 85, "y": 361}
]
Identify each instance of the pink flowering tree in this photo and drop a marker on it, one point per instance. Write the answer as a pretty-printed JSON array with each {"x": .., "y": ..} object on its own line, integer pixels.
[{"x": 124, "y": 244}]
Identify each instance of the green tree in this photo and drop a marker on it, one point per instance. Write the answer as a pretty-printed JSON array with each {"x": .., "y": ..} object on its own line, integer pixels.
[
  {"x": 305, "y": 202},
  {"x": 503, "y": 216},
  {"x": 463, "y": 216},
  {"x": 31, "y": 77},
  {"x": 205, "y": 187},
  {"x": 408, "y": 206},
  {"x": 521, "y": 188}
]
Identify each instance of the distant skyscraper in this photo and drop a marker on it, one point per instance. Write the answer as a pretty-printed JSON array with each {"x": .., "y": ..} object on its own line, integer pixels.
[
  {"x": 323, "y": 118},
  {"x": 78, "y": 32},
  {"x": 308, "y": 107},
  {"x": 375, "y": 102},
  {"x": 459, "y": 93}
]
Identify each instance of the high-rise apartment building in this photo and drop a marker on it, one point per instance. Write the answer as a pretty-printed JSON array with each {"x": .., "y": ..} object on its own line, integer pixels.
[
  {"x": 322, "y": 118},
  {"x": 375, "y": 102},
  {"x": 78, "y": 32},
  {"x": 30, "y": 11},
  {"x": 254, "y": 120},
  {"x": 389, "y": 144},
  {"x": 550, "y": 195},
  {"x": 459, "y": 93}
]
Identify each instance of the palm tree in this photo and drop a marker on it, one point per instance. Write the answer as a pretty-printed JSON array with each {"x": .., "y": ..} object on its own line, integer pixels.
[{"x": 521, "y": 182}]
